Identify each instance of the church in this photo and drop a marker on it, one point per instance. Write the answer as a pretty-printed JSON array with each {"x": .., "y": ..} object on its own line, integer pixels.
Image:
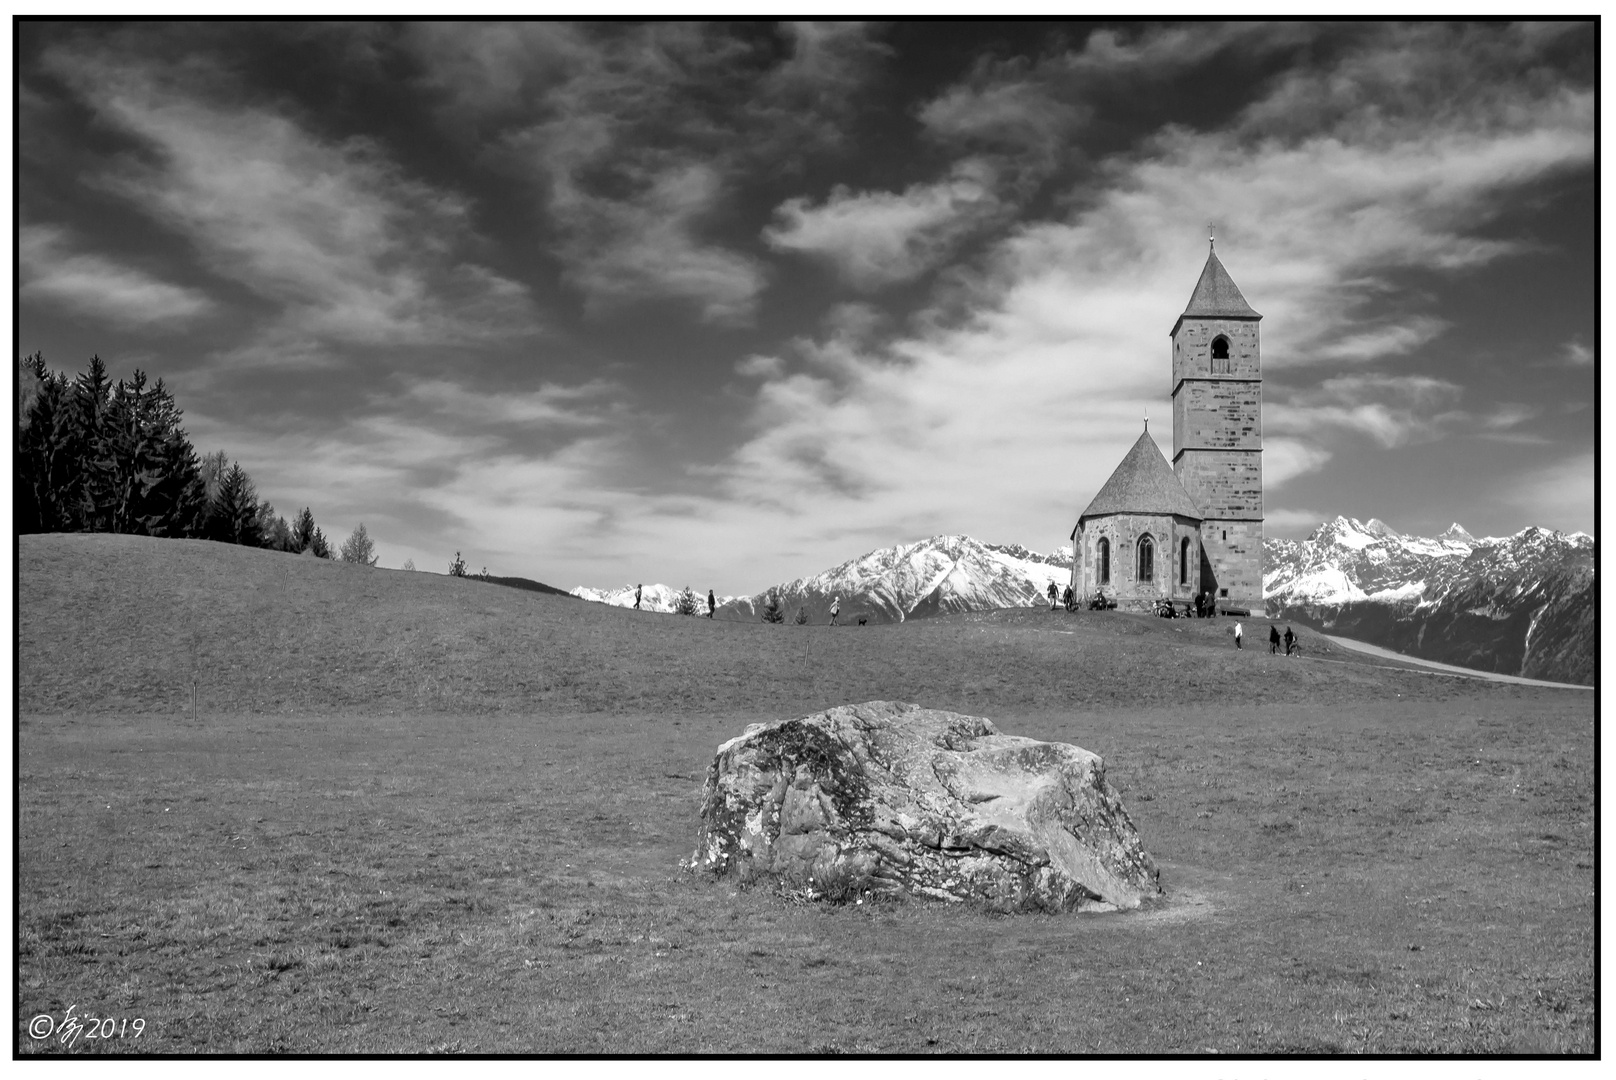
[{"x": 1155, "y": 531}]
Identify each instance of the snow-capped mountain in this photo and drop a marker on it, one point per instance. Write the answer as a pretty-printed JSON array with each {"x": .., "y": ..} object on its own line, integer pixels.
[
  {"x": 1521, "y": 604},
  {"x": 930, "y": 577},
  {"x": 652, "y": 598}
]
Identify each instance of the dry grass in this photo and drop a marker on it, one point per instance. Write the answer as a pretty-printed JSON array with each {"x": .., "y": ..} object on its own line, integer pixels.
[{"x": 495, "y": 868}]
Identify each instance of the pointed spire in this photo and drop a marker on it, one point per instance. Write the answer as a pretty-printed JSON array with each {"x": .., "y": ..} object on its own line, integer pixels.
[{"x": 1216, "y": 295}]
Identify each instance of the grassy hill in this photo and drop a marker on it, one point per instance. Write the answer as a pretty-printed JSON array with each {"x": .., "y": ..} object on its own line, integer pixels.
[
  {"x": 131, "y": 624},
  {"x": 274, "y": 804}
]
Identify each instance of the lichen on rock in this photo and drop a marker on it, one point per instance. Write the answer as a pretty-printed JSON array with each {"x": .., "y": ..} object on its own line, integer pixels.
[{"x": 890, "y": 798}]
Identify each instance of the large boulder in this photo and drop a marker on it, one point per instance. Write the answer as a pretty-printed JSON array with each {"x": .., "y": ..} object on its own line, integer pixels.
[{"x": 893, "y": 798}]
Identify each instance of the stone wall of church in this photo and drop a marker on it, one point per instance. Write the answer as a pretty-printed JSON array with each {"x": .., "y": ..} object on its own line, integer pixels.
[
  {"x": 1217, "y": 452},
  {"x": 1168, "y": 533},
  {"x": 1233, "y": 566},
  {"x": 1217, "y": 414},
  {"x": 1192, "y": 349},
  {"x": 1223, "y": 483}
]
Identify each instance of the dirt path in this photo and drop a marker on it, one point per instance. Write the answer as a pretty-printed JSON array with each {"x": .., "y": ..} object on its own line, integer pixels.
[{"x": 1447, "y": 669}]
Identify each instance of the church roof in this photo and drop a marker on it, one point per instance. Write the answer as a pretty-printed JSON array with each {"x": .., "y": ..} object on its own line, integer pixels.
[
  {"x": 1216, "y": 295},
  {"x": 1143, "y": 484}
]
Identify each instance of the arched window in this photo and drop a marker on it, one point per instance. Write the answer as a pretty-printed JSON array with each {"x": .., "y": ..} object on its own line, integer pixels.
[
  {"x": 1220, "y": 355},
  {"x": 1102, "y": 559},
  {"x": 1147, "y": 558},
  {"x": 1184, "y": 561}
]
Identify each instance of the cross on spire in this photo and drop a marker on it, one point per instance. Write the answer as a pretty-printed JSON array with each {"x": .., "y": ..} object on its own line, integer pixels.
[{"x": 1211, "y": 243}]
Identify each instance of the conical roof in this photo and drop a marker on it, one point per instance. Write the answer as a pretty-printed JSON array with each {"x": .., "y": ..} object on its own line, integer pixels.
[
  {"x": 1216, "y": 295},
  {"x": 1143, "y": 484}
]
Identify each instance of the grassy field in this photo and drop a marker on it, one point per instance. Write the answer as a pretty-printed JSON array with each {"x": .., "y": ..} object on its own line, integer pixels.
[{"x": 267, "y": 803}]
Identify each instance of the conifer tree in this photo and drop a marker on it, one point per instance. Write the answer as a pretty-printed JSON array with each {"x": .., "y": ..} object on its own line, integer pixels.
[
  {"x": 358, "y": 548},
  {"x": 685, "y": 602},
  {"x": 233, "y": 512},
  {"x": 46, "y": 464},
  {"x": 772, "y": 612},
  {"x": 307, "y": 537},
  {"x": 92, "y": 493},
  {"x": 213, "y": 467},
  {"x": 276, "y": 532},
  {"x": 457, "y": 568},
  {"x": 153, "y": 479}
]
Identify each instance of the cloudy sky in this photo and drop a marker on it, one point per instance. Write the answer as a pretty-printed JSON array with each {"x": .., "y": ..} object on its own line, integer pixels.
[{"x": 726, "y": 304}]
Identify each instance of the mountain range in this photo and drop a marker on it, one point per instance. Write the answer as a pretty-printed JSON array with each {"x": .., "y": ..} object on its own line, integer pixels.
[
  {"x": 1520, "y": 605},
  {"x": 930, "y": 577}
]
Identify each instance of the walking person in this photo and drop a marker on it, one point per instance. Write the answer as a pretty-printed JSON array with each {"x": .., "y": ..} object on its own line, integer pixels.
[
  {"x": 637, "y": 589},
  {"x": 1273, "y": 641},
  {"x": 835, "y": 609},
  {"x": 1239, "y": 633},
  {"x": 1290, "y": 641},
  {"x": 710, "y": 603},
  {"x": 1066, "y": 599},
  {"x": 1050, "y": 592}
]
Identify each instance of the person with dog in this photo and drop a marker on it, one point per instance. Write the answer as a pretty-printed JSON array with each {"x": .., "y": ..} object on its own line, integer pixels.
[
  {"x": 1290, "y": 641},
  {"x": 1067, "y": 601}
]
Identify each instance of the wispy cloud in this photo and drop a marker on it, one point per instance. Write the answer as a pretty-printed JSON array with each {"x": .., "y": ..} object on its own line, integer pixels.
[
  {"x": 879, "y": 238},
  {"x": 1501, "y": 424},
  {"x": 1031, "y": 107},
  {"x": 580, "y": 406},
  {"x": 1393, "y": 339},
  {"x": 628, "y": 249},
  {"x": 1287, "y": 458},
  {"x": 1574, "y": 353},
  {"x": 1393, "y": 410},
  {"x": 98, "y": 287},
  {"x": 758, "y": 366},
  {"x": 346, "y": 248},
  {"x": 635, "y": 135},
  {"x": 442, "y": 459},
  {"x": 1559, "y": 495}
]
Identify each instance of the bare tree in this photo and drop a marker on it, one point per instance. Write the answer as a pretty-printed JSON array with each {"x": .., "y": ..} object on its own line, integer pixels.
[{"x": 358, "y": 548}]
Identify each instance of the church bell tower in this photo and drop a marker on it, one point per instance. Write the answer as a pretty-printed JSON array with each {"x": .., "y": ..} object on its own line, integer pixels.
[{"x": 1217, "y": 433}]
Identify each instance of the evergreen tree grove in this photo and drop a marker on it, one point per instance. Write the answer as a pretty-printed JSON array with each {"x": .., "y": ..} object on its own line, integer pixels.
[
  {"x": 307, "y": 537},
  {"x": 94, "y": 456}
]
